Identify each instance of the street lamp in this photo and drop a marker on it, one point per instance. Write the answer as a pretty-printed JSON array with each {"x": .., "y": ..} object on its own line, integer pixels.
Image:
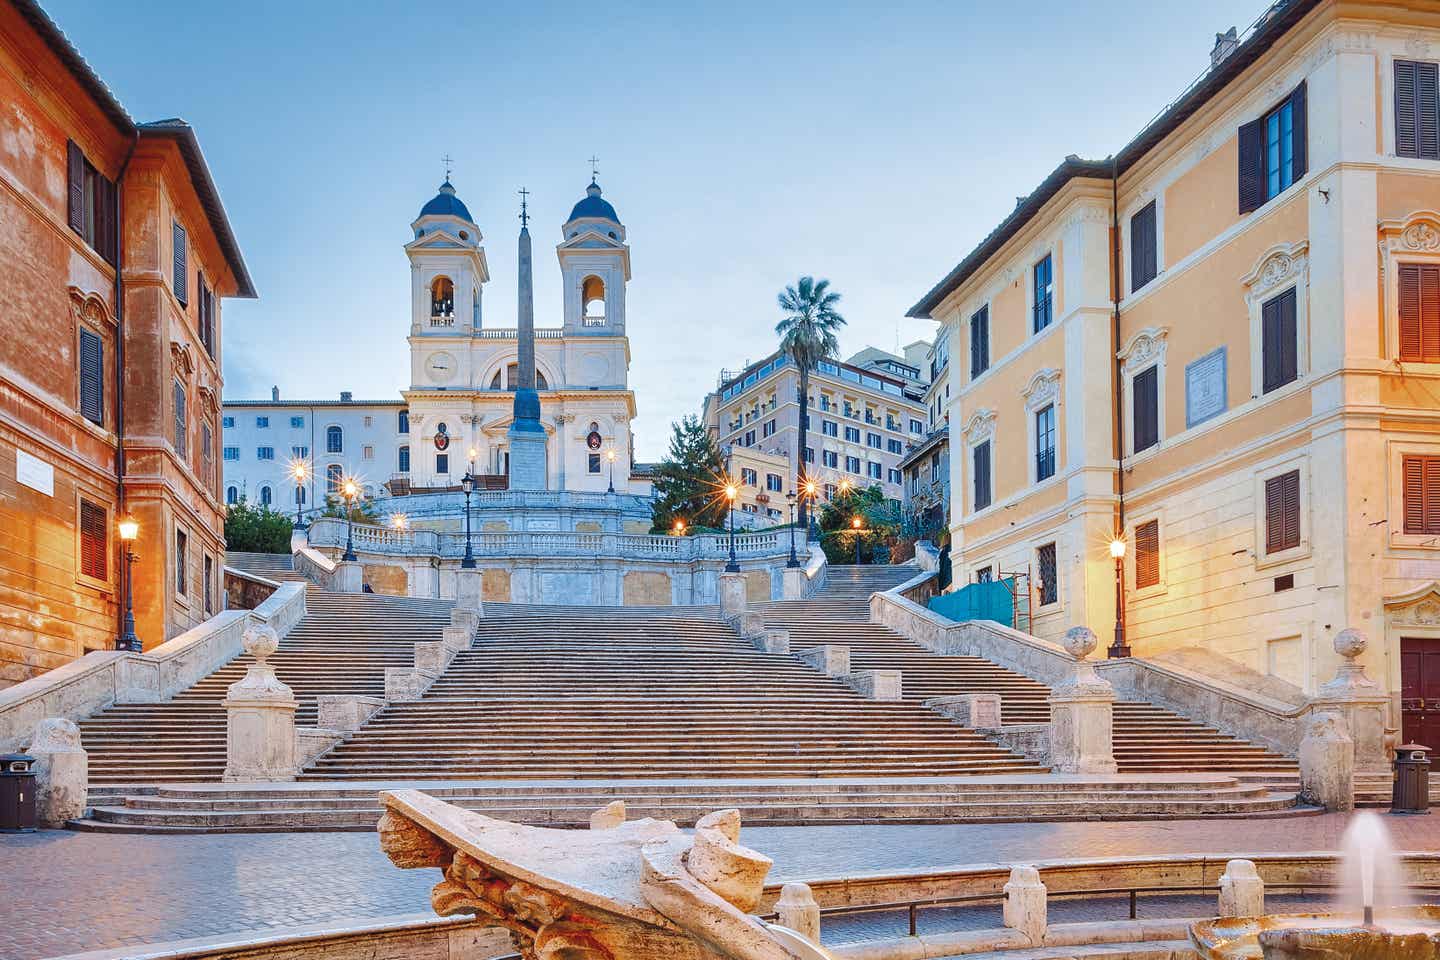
[
  {"x": 467, "y": 483},
  {"x": 855, "y": 524},
  {"x": 731, "y": 492},
  {"x": 129, "y": 530},
  {"x": 349, "y": 489},
  {"x": 790, "y": 498},
  {"x": 610, "y": 455},
  {"x": 812, "y": 490},
  {"x": 400, "y": 522},
  {"x": 1119, "y": 648},
  {"x": 679, "y": 528},
  {"x": 299, "y": 472}
]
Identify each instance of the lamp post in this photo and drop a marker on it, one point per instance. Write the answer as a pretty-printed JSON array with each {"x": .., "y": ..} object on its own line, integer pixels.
[
  {"x": 855, "y": 524},
  {"x": 1119, "y": 648},
  {"x": 790, "y": 498},
  {"x": 349, "y": 489},
  {"x": 467, "y": 483},
  {"x": 129, "y": 530},
  {"x": 731, "y": 492},
  {"x": 299, "y": 472},
  {"x": 811, "y": 489},
  {"x": 679, "y": 528},
  {"x": 610, "y": 455},
  {"x": 400, "y": 522}
]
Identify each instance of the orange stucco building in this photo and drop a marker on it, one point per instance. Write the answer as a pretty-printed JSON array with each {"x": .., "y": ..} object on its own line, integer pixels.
[{"x": 115, "y": 254}]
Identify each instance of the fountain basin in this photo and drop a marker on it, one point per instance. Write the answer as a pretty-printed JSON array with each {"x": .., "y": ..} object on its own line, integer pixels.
[{"x": 1407, "y": 933}]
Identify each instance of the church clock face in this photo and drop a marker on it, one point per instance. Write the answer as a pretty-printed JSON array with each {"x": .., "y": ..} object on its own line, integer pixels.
[{"x": 441, "y": 367}]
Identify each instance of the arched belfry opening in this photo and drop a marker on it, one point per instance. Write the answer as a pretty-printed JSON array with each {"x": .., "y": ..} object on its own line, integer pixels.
[
  {"x": 442, "y": 298},
  {"x": 592, "y": 296}
]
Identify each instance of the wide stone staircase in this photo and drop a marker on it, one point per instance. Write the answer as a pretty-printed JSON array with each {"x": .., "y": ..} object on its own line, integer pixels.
[
  {"x": 341, "y": 646},
  {"x": 271, "y": 566},
  {"x": 1148, "y": 739}
]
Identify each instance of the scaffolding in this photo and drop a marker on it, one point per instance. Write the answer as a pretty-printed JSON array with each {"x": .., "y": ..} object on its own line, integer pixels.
[{"x": 1018, "y": 583}]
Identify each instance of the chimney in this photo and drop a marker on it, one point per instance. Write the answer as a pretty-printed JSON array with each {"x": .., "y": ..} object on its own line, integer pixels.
[
  {"x": 274, "y": 394},
  {"x": 346, "y": 396},
  {"x": 1225, "y": 44}
]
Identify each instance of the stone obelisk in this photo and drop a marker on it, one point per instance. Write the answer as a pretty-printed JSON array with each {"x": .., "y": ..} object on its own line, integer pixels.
[{"x": 526, "y": 436}]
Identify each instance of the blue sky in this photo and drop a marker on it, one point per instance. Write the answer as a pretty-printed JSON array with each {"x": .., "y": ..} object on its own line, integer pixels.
[{"x": 742, "y": 144}]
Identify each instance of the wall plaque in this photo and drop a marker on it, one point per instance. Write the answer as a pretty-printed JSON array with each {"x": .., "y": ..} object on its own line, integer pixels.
[
  {"x": 1205, "y": 387},
  {"x": 34, "y": 473}
]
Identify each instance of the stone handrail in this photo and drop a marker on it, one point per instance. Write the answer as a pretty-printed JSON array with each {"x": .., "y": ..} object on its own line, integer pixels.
[
  {"x": 314, "y": 565},
  {"x": 817, "y": 570},
  {"x": 245, "y": 590},
  {"x": 106, "y": 677}
]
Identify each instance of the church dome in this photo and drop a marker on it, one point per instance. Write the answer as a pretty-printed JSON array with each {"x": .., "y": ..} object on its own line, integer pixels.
[
  {"x": 446, "y": 204},
  {"x": 594, "y": 206}
]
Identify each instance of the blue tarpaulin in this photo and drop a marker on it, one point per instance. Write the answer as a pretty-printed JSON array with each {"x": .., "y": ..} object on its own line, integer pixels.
[{"x": 979, "y": 601}]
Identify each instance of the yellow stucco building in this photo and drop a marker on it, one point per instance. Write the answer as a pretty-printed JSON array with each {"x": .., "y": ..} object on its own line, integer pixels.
[{"x": 1224, "y": 341}]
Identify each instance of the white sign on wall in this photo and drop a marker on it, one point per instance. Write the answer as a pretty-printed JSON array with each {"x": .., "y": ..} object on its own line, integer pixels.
[
  {"x": 34, "y": 473},
  {"x": 1205, "y": 387}
]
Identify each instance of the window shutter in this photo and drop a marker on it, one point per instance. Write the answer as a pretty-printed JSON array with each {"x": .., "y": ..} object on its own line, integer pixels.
[
  {"x": 1413, "y": 494},
  {"x": 1145, "y": 416},
  {"x": 982, "y": 476},
  {"x": 1143, "y": 247},
  {"x": 1279, "y": 347},
  {"x": 1147, "y": 554},
  {"x": 1299, "y": 135},
  {"x": 1282, "y": 512},
  {"x": 975, "y": 366},
  {"x": 1252, "y": 166},
  {"x": 93, "y": 541},
  {"x": 75, "y": 172},
  {"x": 1410, "y": 338},
  {"x": 1407, "y": 130},
  {"x": 1430, "y": 312},
  {"x": 1427, "y": 109},
  {"x": 177, "y": 238},
  {"x": 92, "y": 377},
  {"x": 180, "y": 445},
  {"x": 1432, "y": 494}
]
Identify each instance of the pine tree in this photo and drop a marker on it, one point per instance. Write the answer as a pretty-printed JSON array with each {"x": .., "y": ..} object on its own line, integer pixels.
[{"x": 687, "y": 479}]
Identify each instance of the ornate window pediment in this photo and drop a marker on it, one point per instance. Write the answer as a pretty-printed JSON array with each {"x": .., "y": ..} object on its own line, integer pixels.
[
  {"x": 1144, "y": 348},
  {"x": 980, "y": 427},
  {"x": 209, "y": 401},
  {"x": 181, "y": 355},
  {"x": 1417, "y": 233},
  {"x": 90, "y": 308},
  {"x": 1043, "y": 388},
  {"x": 1420, "y": 607},
  {"x": 1280, "y": 265}
]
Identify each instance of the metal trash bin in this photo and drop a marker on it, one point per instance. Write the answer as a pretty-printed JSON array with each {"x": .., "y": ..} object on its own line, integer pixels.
[
  {"x": 1412, "y": 780},
  {"x": 17, "y": 793}
]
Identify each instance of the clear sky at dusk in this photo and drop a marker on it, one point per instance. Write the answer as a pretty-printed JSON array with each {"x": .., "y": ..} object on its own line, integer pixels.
[{"x": 742, "y": 144}]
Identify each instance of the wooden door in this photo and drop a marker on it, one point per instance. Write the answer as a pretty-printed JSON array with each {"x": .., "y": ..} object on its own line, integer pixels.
[{"x": 1420, "y": 690}]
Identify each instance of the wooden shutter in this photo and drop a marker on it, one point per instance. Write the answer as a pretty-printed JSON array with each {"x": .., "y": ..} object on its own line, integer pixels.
[
  {"x": 92, "y": 377},
  {"x": 1252, "y": 166},
  {"x": 75, "y": 172},
  {"x": 1282, "y": 512},
  {"x": 1299, "y": 133},
  {"x": 94, "y": 555},
  {"x": 982, "y": 475},
  {"x": 1432, "y": 494},
  {"x": 180, "y": 445},
  {"x": 1407, "y": 130},
  {"x": 1145, "y": 415},
  {"x": 1147, "y": 554},
  {"x": 1144, "y": 251},
  {"x": 1279, "y": 345},
  {"x": 177, "y": 240},
  {"x": 1420, "y": 312},
  {"x": 977, "y": 365}
]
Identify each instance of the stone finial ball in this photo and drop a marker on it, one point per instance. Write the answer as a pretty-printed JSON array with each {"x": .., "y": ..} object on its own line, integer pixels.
[
  {"x": 1350, "y": 643},
  {"x": 1080, "y": 642},
  {"x": 260, "y": 641}
]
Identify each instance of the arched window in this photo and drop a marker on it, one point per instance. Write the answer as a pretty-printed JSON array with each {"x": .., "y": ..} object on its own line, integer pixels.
[
  {"x": 511, "y": 379},
  {"x": 232, "y": 495},
  {"x": 334, "y": 440},
  {"x": 497, "y": 382},
  {"x": 405, "y": 459},
  {"x": 592, "y": 295},
  {"x": 333, "y": 474},
  {"x": 442, "y": 298},
  {"x": 265, "y": 496}
]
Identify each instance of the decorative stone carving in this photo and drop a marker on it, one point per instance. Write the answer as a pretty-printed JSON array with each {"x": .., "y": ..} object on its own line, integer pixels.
[
  {"x": 90, "y": 308},
  {"x": 1043, "y": 388},
  {"x": 980, "y": 427},
  {"x": 1421, "y": 236},
  {"x": 1081, "y": 713},
  {"x": 62, "y": 771},
  {"x": 637, "y": 891},
  {"x": 1242, "y": 892},
  {"x": 181, "y": 357},
  {"x": 1144, "y": 348},
  {"x": 1327, "y": 762},
  {"x": 1026, "y": 903},
  {"x": 259, "y": 717},
  {"x": 1279, "y": 265}
]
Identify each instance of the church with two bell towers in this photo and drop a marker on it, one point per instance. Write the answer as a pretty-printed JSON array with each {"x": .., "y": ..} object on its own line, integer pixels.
[{"x": 466, "y": 356}]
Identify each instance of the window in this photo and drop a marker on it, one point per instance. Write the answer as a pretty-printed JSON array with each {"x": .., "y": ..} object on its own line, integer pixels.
[
  {"x": 179, "y": 425},
  {"x": 917, "y": 426},
  {"x": 894, "y": 475},
  {"x": 1273, "y": 152},
  {"x": 205, "y": 310},
  {"x": 1278, "y": 341},
  {"x": 985, "y": 575},
  {"x": 367, "y": 452},
  {"x": 895, "y": 446},
  {"x": 404, "y": 421},
  {"x": 264, "y": 453},
  {"x": 830, "y": 458},
  {"x": 300, "y": 453},
  {"x": 265, "y": 496},
  {"x": 1417, "y": 110},
  {"x": 92, "y": 377},
  {"x": 369, "y": 422},
  {"x": 91, "y": 204},
  {"x": 768, "y": 427},
  {"x": 297, "y": 423},
  {"x": 809, "y": 454},
  {"x": 1145, "y": 408},
  {"x": 210, "y": 576},
  {"x": 1147, "y": 554},
  {"x": 1421, "y": 494},
  {"x": 749, "y": 440},
  {"x": 179, "y": 271},
  {"x": 232, "y": 453},
  {"x": 182, "y": 549},
  {"x": 227, "y": 422},
  {"x": 774, "y": 482},
  {"x": 232, "y": 495},
  {"x": 748, "y": 477},
  {"x": 1282, "y": 511},
  {"x": 830, "y": 428},
  {"x": 1045, "y": 443},
  {"x": 334, "y": 440},
  {"x": 852, "y": 435},
  {"x": 207, "y": 454},
  {"x": 262, "y": 423},
  {"x": 1144, "y": 253},
  {"x": 874, "y": 440},
  {"x": 981, "y": 473},
  {"x": 1420, "y": 312},
  {"x": 873, "y": 470},
  {"x": 94, "y": 541},
  {"x": 442, "y": 463},
  {"x": 335, "y": 473},
  {"x": 980, "y": 342},
  {"x": 1049, "y": 578},
  {"x": 404, "y": 465},
  {"x": 1043, "y": 310},
  {"x": 852, "y": 464},
  {"x": 830, "y": 491}
]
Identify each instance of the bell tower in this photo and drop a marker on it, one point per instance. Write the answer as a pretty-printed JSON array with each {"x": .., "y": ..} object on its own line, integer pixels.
[
  {"x": 447, "y": 268},
  {"x": 595, "y": 267}
]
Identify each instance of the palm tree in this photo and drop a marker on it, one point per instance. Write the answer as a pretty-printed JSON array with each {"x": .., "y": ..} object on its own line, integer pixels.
[{"x": 807, "y": 336}]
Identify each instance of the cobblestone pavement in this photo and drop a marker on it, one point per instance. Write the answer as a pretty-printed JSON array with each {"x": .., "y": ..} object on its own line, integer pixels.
[{"x": 63, "y": 892}]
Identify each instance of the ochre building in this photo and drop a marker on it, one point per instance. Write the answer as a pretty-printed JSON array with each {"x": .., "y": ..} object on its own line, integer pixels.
[
  {"x": 1224, "y": 343},
  {"x": 116, "y": 255}
]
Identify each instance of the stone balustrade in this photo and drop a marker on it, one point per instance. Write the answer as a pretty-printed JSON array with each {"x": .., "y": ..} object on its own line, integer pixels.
[
  {"x": 876, "y": 684},
  {"x": 831, "y": 659}
]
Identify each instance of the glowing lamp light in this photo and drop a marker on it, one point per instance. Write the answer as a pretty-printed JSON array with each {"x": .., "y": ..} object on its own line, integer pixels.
[
  {"x": 856, "y": 522},
  {"x": 400, "y": 522},
  {"x": 350, "y": 489},
  {"x": 129, "y": 528},
  {"x": 1117, "y": 548},
  {"x": 731, "y": 491},
  {"x": 300, "y": 471},
  {"x": 679, "y": 528},
  {"x": 809, "y": 488},
  {"x": 610, "y": 455}
]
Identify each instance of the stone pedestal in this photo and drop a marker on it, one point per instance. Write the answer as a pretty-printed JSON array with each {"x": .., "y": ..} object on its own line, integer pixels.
[
  {"x": 349, "y": 577},
  {"x": 732, "y": 594},
  {"x": 876, "y": 684},
  {"x": 798, "y": 910},
  {"x": 1358, "y": 701},
  {"x": 62, "y": 772},
  {"x": 259, "y": 717},
  {"x": 979, "y": 711},
  {"x": 1025, "y": 903},
  {"x": 773, "y": 640},
  {"x": 1242, "y": 892},
  {"x": 469, "y": 591},
  {"x": 794, "y": 583},
  {"x": 1081, "y": 713},
  {"x": 527, "y": 457},
  {"x": 1327, "y": 762},
  {"x": 831, "y": 659}
]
